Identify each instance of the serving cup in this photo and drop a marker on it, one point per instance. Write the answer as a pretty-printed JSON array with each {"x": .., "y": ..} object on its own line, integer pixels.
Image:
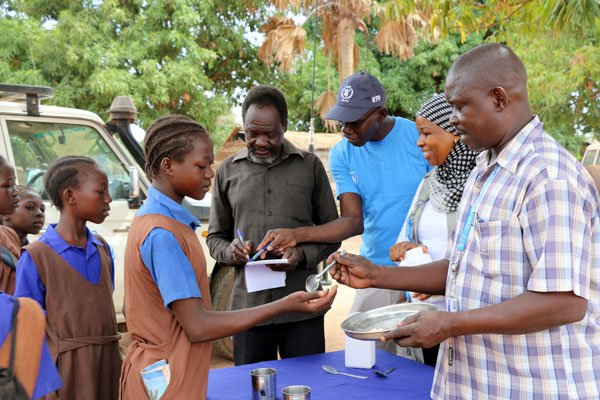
[
  {"x": 296, "y": 392},
  {"x": 264, "y": 384}
]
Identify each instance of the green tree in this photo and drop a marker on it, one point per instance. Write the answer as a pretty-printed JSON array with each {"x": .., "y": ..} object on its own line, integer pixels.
[{"x": 170, "y": 56}]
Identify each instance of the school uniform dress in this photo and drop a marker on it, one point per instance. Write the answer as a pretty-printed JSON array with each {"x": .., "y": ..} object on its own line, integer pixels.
[
  {"x": 38, "y": 375},
  {"x": 9, "y": 240},
  {"x": 75, "y": 288},
  {"x": 537, "y": 228},
  {"x": 164, "y": 262}
]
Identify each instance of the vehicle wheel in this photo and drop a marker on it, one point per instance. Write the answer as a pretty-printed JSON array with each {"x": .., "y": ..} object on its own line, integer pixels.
[{"x": 221, "y": 285}]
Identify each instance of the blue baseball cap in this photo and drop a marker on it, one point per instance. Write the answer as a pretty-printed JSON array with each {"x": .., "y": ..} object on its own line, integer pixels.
[{"x": 358, "y": 94}]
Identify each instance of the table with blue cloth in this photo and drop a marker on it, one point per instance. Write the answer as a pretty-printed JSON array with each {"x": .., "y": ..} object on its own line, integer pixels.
[{"x": 411, "y": 380}]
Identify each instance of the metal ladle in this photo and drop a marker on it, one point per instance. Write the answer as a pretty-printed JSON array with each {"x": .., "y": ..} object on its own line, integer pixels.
[{"x": 312, "y": 282}]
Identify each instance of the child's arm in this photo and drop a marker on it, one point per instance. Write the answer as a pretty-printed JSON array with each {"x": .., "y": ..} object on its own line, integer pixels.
[
  {"x": 28, "y": 282},
  {"x": 201, "y": 325}
]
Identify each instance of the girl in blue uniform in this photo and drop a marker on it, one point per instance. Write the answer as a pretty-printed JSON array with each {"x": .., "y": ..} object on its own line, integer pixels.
[{"x": 70, "y": 272}]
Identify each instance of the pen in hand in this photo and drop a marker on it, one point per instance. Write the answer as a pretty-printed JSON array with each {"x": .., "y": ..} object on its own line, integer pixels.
[
  {"x": 241, "y": 238},
  {"x": 259, "y": 252}
]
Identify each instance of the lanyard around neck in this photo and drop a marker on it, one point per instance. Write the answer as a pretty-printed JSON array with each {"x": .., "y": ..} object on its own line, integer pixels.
[
  {"x": 410, "y": 222},
  {"x": 462, "y": 242}
]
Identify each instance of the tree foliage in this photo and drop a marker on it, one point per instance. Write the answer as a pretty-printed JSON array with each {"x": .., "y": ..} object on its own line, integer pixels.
[
  {"x": 170, "y": 56},
  {"x": 558, "y": 41}
]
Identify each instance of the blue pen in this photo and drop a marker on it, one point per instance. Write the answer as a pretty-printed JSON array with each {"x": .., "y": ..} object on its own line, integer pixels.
[
  {"x": 259, "y": 252},
  {"x": 241, "y": 239}
]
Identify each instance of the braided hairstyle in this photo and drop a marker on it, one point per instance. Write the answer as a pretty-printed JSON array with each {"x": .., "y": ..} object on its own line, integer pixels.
[
  {"x": 65, "y": 173},
  {"x": 170, "y": 137}
]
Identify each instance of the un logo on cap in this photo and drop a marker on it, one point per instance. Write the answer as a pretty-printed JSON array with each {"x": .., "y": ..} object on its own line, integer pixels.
[{"x": 347, "y": 93}]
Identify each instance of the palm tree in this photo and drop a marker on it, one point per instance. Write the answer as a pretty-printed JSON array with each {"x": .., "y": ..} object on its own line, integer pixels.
[{"x": 340, "y": 19}]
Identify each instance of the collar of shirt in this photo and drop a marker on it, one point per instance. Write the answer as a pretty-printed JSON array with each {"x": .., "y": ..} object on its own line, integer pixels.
[
  {"x": 56, "y": 242},
  {"x": 287, "y": 148},
  {"x": 162, "y": 204},
  {"x": 514, "y": 150}
]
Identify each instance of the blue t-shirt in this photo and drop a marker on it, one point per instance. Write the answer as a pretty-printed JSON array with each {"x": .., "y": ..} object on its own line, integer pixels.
[
  {"x": 386, "y": 175},
  {"x": 162, "y": 254},
  {"x": 48, "y": 379},
  {"x": 85, "y": 261}
]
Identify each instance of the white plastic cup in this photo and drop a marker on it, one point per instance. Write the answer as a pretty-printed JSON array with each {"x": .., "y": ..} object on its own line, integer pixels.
[
  {"x": 359, "y": 353},
  {"x": 413, "y": 257}
]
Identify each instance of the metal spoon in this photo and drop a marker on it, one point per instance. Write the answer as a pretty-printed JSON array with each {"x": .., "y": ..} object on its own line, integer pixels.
[
  {"x": 384, "y": 374},
  {"x": 334, "y": 371},
  {"x": 312, "y": 282}
]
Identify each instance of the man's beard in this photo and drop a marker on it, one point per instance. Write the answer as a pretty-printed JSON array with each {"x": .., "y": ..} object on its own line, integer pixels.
[{"x": 261, "y": 160}]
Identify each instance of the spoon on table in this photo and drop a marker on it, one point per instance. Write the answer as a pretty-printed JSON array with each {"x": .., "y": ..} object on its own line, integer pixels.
[
  {"x": 334, "y": 371},
  {"x": 312, "y": 282},
  {"x": 384, "y": 374}
]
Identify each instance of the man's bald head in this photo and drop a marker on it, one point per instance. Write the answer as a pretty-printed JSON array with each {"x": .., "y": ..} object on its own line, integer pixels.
[
  {"x": 492, "y": 64},
  {"x": 487, "y": 88}
]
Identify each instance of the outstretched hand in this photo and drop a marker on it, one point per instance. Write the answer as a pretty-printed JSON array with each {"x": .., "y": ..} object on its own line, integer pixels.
[
  {"x": 398, "y": 251},
  {"x": 424, "y": 330},
  {"x": 280, "y": 239},
  {"x": 310, "y": 302},
  {"x": 352, "y": 270}
]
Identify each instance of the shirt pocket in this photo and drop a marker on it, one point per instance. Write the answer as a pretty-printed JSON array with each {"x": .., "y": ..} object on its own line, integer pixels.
[
  {"x": 494, "y": 247},
  {"x": 298, "y": 189},
  {"x": 293, "y": 205}
]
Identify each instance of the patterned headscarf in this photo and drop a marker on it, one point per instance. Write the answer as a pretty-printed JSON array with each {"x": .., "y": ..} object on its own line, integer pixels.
[{"x": 448, "y": 180}]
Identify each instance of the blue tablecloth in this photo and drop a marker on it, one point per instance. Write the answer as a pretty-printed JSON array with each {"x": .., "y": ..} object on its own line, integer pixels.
[{"x": 411, "y": 380}]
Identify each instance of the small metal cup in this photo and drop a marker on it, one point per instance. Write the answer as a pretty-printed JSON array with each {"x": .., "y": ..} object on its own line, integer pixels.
[
  {"x": 296, "y": 392},
  {"x": 264, "y": 384}
]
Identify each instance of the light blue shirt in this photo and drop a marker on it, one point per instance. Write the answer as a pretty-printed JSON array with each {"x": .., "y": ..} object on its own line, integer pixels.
[
  {"x": 162, "y": 254},
  {"x": 386, "y": 175},
  {"x": 85, "y": 261}
]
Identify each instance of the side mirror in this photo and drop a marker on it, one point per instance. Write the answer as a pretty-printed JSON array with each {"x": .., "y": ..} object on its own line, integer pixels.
[{"x": 134, "y": 187}]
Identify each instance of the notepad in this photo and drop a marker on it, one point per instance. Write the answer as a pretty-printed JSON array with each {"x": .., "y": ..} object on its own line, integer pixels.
[{"x": 260, "y": 277}]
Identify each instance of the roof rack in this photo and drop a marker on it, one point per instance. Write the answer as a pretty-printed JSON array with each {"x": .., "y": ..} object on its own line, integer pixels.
[{"x": 25, "y": 93}]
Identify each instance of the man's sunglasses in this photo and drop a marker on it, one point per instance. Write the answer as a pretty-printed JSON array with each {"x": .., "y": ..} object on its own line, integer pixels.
[{"x": 355, "y": 125}]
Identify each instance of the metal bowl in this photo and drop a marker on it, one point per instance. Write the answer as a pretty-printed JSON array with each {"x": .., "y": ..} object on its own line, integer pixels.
[{"x": 372, "y": 324}]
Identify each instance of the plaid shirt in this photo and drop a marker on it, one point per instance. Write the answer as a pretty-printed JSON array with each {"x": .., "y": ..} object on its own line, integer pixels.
[{"x": 536, "y": 229}]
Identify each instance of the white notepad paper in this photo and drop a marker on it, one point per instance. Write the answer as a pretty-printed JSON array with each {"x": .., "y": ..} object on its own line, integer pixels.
[{"x": 261, "y": 277}]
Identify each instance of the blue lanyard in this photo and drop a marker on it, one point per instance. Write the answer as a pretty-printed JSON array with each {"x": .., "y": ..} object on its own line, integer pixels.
[
  {"x": 410, "y": 222},
  {"x": 472, "y": 211}
]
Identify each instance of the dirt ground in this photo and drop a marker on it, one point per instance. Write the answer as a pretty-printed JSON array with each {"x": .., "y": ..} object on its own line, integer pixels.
[{"x": 334, "y": 336}]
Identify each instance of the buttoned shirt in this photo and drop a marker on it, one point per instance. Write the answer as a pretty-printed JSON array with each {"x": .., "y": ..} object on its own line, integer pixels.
[
  {"x": 536, "y": 229},
  {"x": 292, "y": 192}
]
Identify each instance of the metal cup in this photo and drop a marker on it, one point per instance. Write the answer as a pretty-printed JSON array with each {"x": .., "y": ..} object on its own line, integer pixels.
[
  {"x": 296, "y": 392},
  {"x": 264, "y": 384}
]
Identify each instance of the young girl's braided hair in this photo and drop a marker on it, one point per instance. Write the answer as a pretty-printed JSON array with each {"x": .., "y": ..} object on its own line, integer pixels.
[
  {"x": 65, "y": 173},
  {"x": 170, "y": 137}
]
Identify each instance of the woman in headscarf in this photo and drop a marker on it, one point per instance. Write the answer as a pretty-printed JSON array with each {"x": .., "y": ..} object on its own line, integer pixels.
[{"x": 432, "y": 214}]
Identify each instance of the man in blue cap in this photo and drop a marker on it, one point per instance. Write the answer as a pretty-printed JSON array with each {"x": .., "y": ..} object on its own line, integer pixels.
[{"x": 377, "y": 168}]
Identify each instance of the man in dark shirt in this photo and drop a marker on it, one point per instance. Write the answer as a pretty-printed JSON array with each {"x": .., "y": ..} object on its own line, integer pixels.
[{"x": 268, "y": 185}]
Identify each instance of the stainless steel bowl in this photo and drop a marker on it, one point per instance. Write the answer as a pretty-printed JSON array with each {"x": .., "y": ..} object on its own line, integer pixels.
[{"x": 372, "y": 324}]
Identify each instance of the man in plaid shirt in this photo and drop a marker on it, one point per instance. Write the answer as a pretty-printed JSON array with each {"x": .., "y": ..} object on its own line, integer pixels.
[{"x": 522, "y": 274}]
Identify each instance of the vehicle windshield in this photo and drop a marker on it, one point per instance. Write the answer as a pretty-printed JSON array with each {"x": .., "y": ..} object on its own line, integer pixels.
[{"x": 36, "y": 145}]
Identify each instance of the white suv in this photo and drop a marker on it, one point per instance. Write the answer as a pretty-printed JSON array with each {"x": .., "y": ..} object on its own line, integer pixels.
[{"x": 33, "y": 136}]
